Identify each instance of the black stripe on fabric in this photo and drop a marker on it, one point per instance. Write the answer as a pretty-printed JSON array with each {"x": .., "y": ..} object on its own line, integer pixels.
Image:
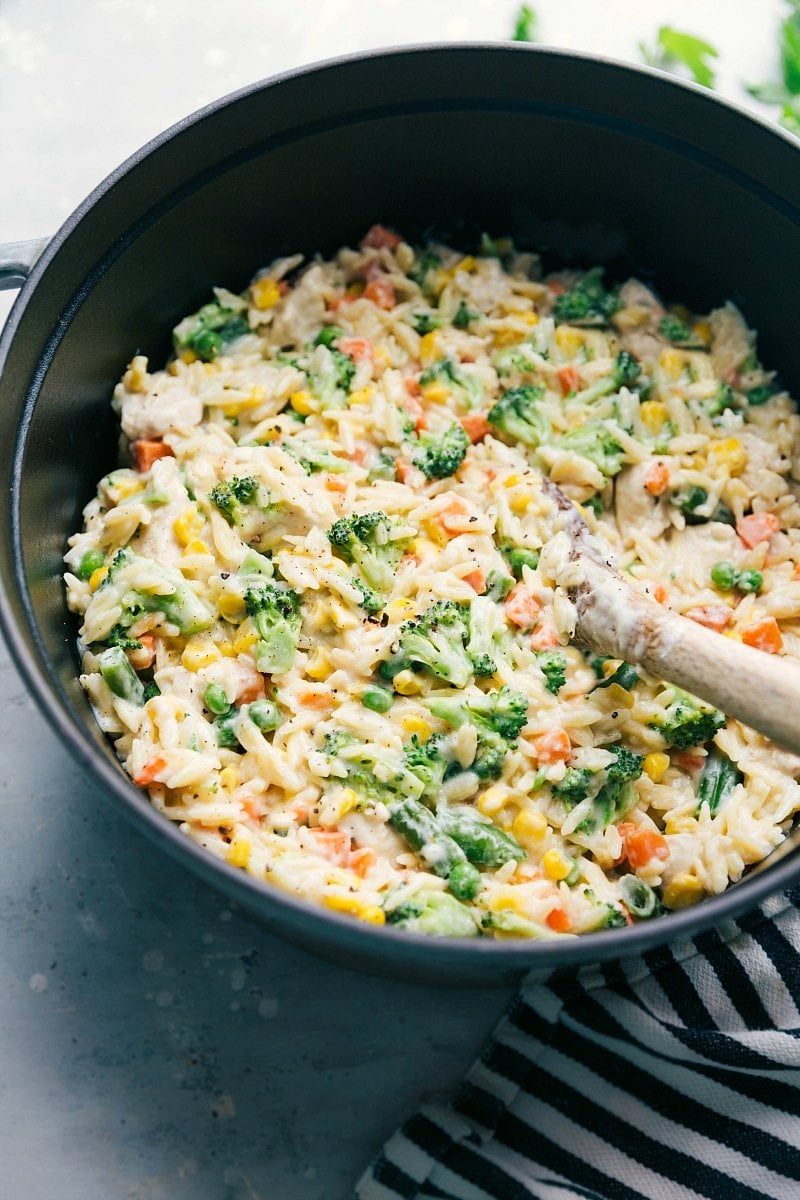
[
  {"x": 683, "y": 996},
  {"x": 476, "y": 1104},
  {"x": 676, "y": 1106},
  {"x": 773, "y": 1093},
  {"x": 782, "y": 955},
  {"x": 386, "y": 1173},
  {"x": 669, "y": 1162},
  {"x": 427, "y": 1136},
  {"x": 735, "y": 982}
]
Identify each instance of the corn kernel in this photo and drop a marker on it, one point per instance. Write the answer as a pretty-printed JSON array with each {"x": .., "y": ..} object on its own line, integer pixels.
[
  {"x": 265, "y": 292},
  {"x": 355, "y": 908},
  {"x": 382, "y": 357},
  {"x": 230, "y": 604},
  {"x": 508, "y": 337},
  {"x": 569, "y": 340},
  {"x": 195, "y": 546},
  {"x": 683, "y": 891},
  {"x": 468, "y": 263},
  {"x": 428, "y": 347},
  {"x": 319, "y": 665},
  {"x": 529, "y": 826},
  {"x": 226, "y": 648},
  {"x": 245, "y": 638},
  {"x": 653, "y": 414},
  {"x": 508, "y": 900},
  {"x": 187, "y": 525},
  {"x": 302, "y": 402},
  {"x": 655, "y": 766},
  {"x": 199, "y": 654},
  {"x": 96, "y": 578},
  {"x": 619, "y": 697},
  {"x": 702, "y": 330},
  {"x": 672, "y": 363},
  {"x": 400, "y": 608},
  {"x": 519, "y": 504},
  {"x": 348, "y": 800},
  {"x": 187, "y": 356},
  {"x": 126, "y": 488},
  {"x": 435, "y": 532},
  {"x": 492, "y": 801},
  {"x": 354, "y": 289},
  {"x": 407, "y": 683},
  {"x": 555, "y": 865},
  {"x": 229, "y": 778},
  {"x": 731, "y": 454},
  {"x": 512, "y": 480},
  {"x": 361, "y": 396},
  {"x": 415, "y": 724},
  {"x": 425, "y": 548},
  {"x": 435, "y": 393},
  {"x": 530, "y": 318},
  {"x": 238, "y": 854}
]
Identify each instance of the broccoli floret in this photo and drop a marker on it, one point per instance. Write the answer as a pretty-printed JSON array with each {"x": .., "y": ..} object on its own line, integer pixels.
[
  {"x": 690, "y": 499},
  {"x": 719, "y": 777},
  {"x": 374, "y": 773},
  {"x": 426, "y": 761},
  {"x": 596, "y": 442},
  {"x": 313, "y": 457},
  {"x": 330, "y": 375},
  {"x": 425, "y": 322},
  {"x": 211, "y": 330},
  {"x": 524, "y": 357},
  {"x": 434, "y": 913},
  {"x": 422, "y": 268},
  {"x": 446, "y": 371},
  {"x": 175, "y": 597},
  {"x": 625, "y": 676},
  {"x": 464, "y": 316},
  {"x": 518, "y": 557},
  {"x": 275, "y": 612},
  {"x": 231, "y": 495},
  {"x": 119, "y": 636},
  {"x": 575, "y": 786},
  {"x": 553, "y": 665},
  {"x": 517, "y": 416},
  {"x": 435, "y": 640},
  {"x": 384, "y": 466},
  {"x": 328, "y": 336},
  {"x": 371, "y": 541},
  {"x": 441, "y": 454},
  {"x": 675, "y": 330},
  {"x": 498, "y": 717},
  {"x": 688, "y": 721},
  {"x": 587, "y": 302},
  {"x": 626, "y": 370},
  {"x": 488, "y": 632}
]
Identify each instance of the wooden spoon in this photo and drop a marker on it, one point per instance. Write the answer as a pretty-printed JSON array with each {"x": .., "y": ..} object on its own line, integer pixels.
[{"x": 759, "y": 689}]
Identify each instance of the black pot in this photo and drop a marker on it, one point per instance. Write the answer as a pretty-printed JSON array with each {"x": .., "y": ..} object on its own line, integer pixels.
[{"x": 588, "y": 161}]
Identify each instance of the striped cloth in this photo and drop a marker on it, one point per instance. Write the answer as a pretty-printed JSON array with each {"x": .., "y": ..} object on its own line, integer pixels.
[{"x": 673, "y": 1076}]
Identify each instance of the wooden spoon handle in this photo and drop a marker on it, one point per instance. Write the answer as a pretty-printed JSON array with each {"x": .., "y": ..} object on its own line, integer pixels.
[{"x": 762, "y": 690}]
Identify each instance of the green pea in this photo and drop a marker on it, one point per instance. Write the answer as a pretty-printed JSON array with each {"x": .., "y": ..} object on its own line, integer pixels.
[
  {"x": 520, "y": 557},
  {"x": 724, "y": 576},
  {"x": 749, "y": 581},
  {"x": 759, "y": 395},
  {"x": 215, "y": 700},
  {"x": 90, "y": 562},
  {"x": 377, "y": 699},
  {"x": 265, "y": 715}
]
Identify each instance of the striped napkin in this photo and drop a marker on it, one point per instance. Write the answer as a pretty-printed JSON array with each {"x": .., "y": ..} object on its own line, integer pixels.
[{"x": 673, "y": 1076}]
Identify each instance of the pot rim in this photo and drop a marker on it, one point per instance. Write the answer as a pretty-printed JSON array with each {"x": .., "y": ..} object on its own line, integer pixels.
[{"x": 261, "y": 898}]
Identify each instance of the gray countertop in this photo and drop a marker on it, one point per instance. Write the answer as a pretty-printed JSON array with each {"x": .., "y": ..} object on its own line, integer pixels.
[{"x": 156, "y": 1044}]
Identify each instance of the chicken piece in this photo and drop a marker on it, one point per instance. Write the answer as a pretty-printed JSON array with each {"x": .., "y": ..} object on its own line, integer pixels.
[
  {"x": 638, "y": 513},
  {"x": 693, "y": 551},
  {"x": 157, "y": 539},
  {"x": 152, "y": 413},
  {"x": 731, "y": 341}
]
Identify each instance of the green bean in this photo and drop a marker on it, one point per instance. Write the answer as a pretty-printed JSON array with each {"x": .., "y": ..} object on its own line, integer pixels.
[{"x": 120, "y": 675}]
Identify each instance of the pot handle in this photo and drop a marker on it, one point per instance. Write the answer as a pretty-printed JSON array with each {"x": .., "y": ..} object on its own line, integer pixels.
[{"x": 17, "y": 260}]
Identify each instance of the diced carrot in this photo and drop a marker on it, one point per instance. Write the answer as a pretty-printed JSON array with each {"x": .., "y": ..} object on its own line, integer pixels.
[
  {"x": 300, "y": 812},
  {"x": 553, "y": 746},
  {"x": 315, "y": 699},
  {"x": 476, "y": 579},
  {"x": 758, "y": 527},
  {"x": 569, "y": 379},
  {"x": 557, "y": 287},
  {"x": 142, "y": 658},
  {"x": 558, "y": 920},
  {"x": 254, "y": 806},
  {"x": 475, "y": 426},
  {"x": 660, "y": 594},
  {"x": 337, "y": 302},
  {"x": 522, "y": 607},
  {"x": 656, "y": 480},
  {"x": 333, "y": 844},
  {"x": 361, "y": 861},
  {"x": 358, "y": 348},
  {"x": 764, "y": 635},
  {"x": 455, "y": 517},
  {"x": 411, "y": 385},
  {"x": 690, "y": 762},
  {"x": 335, "y": 483},
  {"x": 415, "y": 411},
  {"x": 545, "y": 637},
  {"x": 250, "y": 684},
  {"x": 146, "y": 775},
  {"x": 381, "y": 293},
  {"x": 642, "y": 845},
  {"x": 713, "y": 616},
  {"x": 357, "y": 455},
  {"x": 378, "y": 236},
  {"x": 146, "y": 450},
  {"x": 403, "y": 470}
]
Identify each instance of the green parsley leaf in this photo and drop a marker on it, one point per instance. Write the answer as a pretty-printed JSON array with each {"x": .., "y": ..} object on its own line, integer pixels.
[
  {"x": 674, "y": 47},
  {"x": 525, "y": 24}
]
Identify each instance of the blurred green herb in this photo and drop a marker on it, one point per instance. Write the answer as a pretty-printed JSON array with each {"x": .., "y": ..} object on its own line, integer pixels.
[
  {"x": 785, "y": 92},
  {"x": 674, "y": 48},
  {"x": 525, "y": 24}
]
